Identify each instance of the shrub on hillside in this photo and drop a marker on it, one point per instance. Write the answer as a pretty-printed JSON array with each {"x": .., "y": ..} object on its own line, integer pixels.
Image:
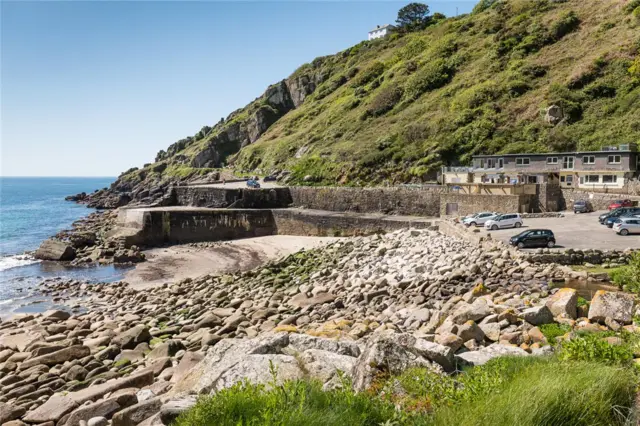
[
  {"x": 369, "y": 74},
  {"x": 567, "y": 23},
  {"x": 632, "y": 6},
  {"x": 593, "y": 347},
  {"x": 385, "y": 100},
  {"x": 431, "y": 76}
]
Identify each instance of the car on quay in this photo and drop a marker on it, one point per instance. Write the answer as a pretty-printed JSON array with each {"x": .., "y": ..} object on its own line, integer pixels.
[
  {"x": 582, "y": 206},
  {"x": 478, "y": 218},
  {"x": 252, "y": 183},
  {"x": 619, "y": 203},
  {"x": 609, "y": 218},
  {"x": 627, "y": 225},
  {"x": 509, "y": 220},
  {"x": 534, "y": 238}
]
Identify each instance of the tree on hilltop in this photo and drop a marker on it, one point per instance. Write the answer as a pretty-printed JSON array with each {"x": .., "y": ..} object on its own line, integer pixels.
[{"x": 414, "y": 16}]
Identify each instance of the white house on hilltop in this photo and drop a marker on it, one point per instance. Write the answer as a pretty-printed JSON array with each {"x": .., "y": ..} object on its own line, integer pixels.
[{"x": 381, "y": 31}]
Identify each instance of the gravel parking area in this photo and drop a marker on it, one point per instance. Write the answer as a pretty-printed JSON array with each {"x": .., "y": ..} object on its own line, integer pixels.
[{"x": 576, "y": 231}]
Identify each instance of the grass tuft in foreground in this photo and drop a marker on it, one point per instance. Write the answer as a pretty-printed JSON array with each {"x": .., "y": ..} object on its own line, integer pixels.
[{"x": 523, "y": 391}]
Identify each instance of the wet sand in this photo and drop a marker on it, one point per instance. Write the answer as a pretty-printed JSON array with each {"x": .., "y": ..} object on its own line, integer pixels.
[{"x": 169, "y": 264}]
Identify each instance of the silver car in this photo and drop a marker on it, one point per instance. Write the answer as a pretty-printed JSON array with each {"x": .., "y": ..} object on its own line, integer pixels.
[
  {"x": 478, "y": 218},
  {"x": 627, "y": 225}
]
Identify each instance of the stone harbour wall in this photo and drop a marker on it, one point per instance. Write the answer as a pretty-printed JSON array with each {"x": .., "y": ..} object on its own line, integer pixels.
[
  {"x": 464, "y": 204},
  {"x": 580, "y": 257},
  {"x": 247, "y": 198},
  {"x": 400, "y": 201}
]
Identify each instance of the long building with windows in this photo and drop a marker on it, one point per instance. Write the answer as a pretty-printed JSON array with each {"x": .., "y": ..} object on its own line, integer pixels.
[{"x": 610, "y": 167}]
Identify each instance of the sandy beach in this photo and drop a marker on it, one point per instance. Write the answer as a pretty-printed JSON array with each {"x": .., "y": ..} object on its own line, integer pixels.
[{"x": 170, "y": 264}]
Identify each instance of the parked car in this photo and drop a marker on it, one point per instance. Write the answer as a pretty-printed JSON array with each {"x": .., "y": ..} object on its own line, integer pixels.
[
  {"x": 582, "y": 206},
  {"x": 479, "y": 218},
  {"x": 252, "y": 183},
  {"x": 269, "y": 178},
  {"x": 617, "y": 213},
  {"x": 621, "y": 212},
  {"x": 534, "y": 238},
  {"x": 627, "y": 225},
  {"x": 510, "y": 220},
  {"x": 620, "y": 203}
]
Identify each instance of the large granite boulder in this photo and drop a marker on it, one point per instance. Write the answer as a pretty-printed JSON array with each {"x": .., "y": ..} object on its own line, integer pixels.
[
  {"x": 609, "y": 304},
  {"x": 488, "y": 353},
  {"x": 55, "y": 250},
  {"x": 564, "y": 303}
]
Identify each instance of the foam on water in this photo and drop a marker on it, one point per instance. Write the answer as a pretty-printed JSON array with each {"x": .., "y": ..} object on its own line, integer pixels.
[{"x": 17, "y": 260}]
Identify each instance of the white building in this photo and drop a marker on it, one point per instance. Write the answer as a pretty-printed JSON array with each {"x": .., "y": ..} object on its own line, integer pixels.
[{"x": 381, "y": 31}]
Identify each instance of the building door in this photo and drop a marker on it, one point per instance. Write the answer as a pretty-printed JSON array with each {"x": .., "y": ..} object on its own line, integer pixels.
[{"x": 452, "y": 209}]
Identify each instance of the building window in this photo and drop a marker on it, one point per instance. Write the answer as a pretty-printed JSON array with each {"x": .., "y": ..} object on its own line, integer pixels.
[
  {"x": 567, "y": 162},
  {"x": 609, "y": 178},
  {"x": 552, "y": 160},
  {"x": 501, "y": 163},
  {"x": 569, "y": 180},
  {"x": 522, "y": 161},
  {"x": 589, "y": 159},
  {"x": 491, "y": 163},
  {"x": 532, "y": 179},
  {"x": 614, "y": 159},
  {"x": 482, "y": 164},
  {"x": 592, "y": 178}
]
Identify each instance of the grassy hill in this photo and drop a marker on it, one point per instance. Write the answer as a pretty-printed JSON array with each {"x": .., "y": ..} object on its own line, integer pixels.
[{"x": 397, "y": 109}]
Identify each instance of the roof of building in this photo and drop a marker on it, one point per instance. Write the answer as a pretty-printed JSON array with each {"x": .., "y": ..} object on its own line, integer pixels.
[
  {"x": 380, "y": 27},
  {"x": 555, "y": 154}
]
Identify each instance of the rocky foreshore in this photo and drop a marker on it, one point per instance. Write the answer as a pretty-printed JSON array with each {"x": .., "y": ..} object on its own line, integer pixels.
[
  {"x": 87, "y": 243},
  {"x": 360, "y": 306}
]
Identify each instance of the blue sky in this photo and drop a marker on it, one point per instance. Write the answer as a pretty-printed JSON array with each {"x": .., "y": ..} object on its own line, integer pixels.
[{"x": 93, "y": 88}]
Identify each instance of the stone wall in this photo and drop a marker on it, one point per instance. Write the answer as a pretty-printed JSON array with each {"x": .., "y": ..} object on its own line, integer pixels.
[
  {"x": 322, "y": 223},
  {"x": 178, "y": 225},
  {"x": 579, "y": 257},
  {"x": 247, "y": 198},
  {"x": 599, "y": 200},
  {"x": 465, "y": 204},
  {"x": 401, "y": 201}
]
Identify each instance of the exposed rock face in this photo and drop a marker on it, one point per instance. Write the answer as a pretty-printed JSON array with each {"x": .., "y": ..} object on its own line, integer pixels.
[
  {"x": 553, "y": 115},
  {"x": 484, "y": 355},
  {"x": 564, "y": 303},
  {"x": 55, "y": 250}
]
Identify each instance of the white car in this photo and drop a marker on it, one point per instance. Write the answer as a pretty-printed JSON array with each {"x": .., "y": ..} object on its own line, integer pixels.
[
  {"x": 627, "y": 225},
  {"x": 510, "y": 220},
  {"x": 479, "y": 218}
]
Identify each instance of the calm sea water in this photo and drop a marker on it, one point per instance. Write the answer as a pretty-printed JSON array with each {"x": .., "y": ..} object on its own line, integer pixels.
[{"x": 31, "y": 210}]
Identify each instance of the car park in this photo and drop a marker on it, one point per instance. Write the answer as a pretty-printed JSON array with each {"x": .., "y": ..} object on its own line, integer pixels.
[
  {"x": 534, "y": 238},
  {"x": 509, "y": 220},
  {"x": 479, "y": 218},
  {"x": 582, "y": 206},
  {"x": 627, "y": 225},
  {"x": 620, "y": 203}
]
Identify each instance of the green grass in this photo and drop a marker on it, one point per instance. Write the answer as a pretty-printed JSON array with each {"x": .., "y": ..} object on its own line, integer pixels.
[
  {"x": 553, "y": 331},
  {"x": 527, "y": 391}
]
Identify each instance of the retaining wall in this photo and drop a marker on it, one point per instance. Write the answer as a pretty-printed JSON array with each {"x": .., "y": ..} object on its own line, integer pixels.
[
  {"x": 247, "y": 198},
  {"x": 401, "y": 201},
  {"x": 465, "y": 204},
  {"x": 179, "y": 225}
]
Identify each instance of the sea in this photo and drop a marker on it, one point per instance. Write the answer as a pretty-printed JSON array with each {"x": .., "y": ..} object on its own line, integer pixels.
[{"x": 33, "y": 209}]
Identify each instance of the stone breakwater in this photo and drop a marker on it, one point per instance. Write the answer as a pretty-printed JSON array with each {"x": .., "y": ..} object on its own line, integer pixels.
[{"x": 354, "y": 309}]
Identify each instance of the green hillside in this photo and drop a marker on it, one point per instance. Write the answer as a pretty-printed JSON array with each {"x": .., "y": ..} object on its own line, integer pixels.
[{"x": 397, "y": 109}]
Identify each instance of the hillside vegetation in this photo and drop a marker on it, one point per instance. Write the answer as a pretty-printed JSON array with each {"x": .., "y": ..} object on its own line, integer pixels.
[{"x": 395, "y": 110}]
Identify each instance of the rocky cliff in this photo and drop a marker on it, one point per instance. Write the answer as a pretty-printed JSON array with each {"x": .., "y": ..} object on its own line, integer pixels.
[{"x": 513, "y": 76}]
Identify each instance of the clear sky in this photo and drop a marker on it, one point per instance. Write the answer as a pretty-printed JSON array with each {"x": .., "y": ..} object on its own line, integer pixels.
[{"x": 93, "y": 88}]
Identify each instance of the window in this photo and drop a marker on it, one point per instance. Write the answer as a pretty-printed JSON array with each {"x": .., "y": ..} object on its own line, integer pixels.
[
  {"x": 552, "y": 160},
  {"x": 501, "y": 163},
  {"x": 522, "y": 161},
  {"x": 614, "y": 159},
  {"x": 491, "y": 163},
  {"x": 532, "y": 179},
  {"x": 567, "y": 162},
  {"x": 592, "y": 178},
  {"x": 589, "y": 159},
  {"x": 609, "y": 178},
  {"x": 482, "y": 164}
]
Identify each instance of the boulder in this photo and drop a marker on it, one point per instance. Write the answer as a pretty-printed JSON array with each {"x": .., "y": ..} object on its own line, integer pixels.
[
  {"x": 166, "y": 349},
  {"x": 104, "y": 408},
  {"x": 10, "y": 412},
  {"x": 564, "y": 303},
  {"x": 615, "y": 305},
  {"x": 131, "y": 416},
  {"x": 132, "y": 337},
  {"x": 55, "y": 250},
  {"x": 170, "y": 411},
  {"x": 538, "y": 315},
  {"x": 471, "y": 312},
  {"x": 488, "y": 353},
  {"x": 52, "y": 410},
  {"x": 56, "y": 315},
  {"x": 393, "y": 353},
  {"x": 57, "y": 357}
]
